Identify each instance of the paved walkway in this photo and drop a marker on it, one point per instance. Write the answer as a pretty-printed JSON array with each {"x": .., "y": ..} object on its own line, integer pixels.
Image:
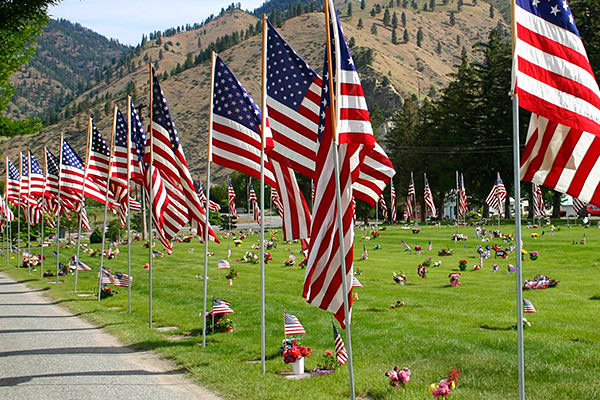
[{"x": 48, "y": 353}]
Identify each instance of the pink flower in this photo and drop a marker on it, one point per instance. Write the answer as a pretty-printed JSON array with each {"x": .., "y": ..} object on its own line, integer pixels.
[
  {"x": 328, "y": 353},
  {"x": 392, "y": 374},
  {"x": 404, "y": 375}
]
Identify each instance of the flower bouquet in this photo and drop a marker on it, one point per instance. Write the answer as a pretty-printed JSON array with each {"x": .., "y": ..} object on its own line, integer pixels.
[
  {"x": 445, "y": 252},
  {"x": 443, "y": 388},
  {"x": 398, "y": 378},
  {"x": 437, "y": 263},
  {"x": 533, "y": 255},
  {"x": 327, "y": 365},
  {"x": 540, "y": 282},
  {"x": 224, "y": 324},
  {"x": 454, "y": 278},
  {"x": 418, "y": 249},
  {"x": 231, "y": 274},
  {"x": 422, "y": 271},
  {"x": 291, "y": 350},
  {"x": 399, "y": 277},
  {"x": 416, "y": 230},
  {"x": 462, "y": 265},
  {"x": 106, "y": 292},
  {"x": 459, "y": 236}
]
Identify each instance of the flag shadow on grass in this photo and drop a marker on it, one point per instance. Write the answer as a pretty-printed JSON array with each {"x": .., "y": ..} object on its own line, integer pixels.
[{"x": 497, "y": 328}]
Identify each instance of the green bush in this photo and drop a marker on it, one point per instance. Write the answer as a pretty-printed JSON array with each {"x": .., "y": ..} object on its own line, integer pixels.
[{"x": 96, "y": 236}]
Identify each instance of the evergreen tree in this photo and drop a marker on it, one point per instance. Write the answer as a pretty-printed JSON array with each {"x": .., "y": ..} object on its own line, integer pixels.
[
  {"x": 431, "y": 5},
  {"x": 403, "y": 19},
  {"x": 362, "y": 4},
  {"x": 394, "y": 36},
  {"x": 492, "y": 11},
  {"x": 394, "y": 20},
  {"x": 405, "y": 36},
  {"x": 419, "y": 37},
  {"x": 459, "y": 5},
  {"x": 351, "y": 42},
  {"x": 452, "y": 18},
  {"x": 386, "y": 17},
  {"x": 438, "y": 49},
  {"x": 360, "y": 23},
  {"x": 374, "y": 29},
  {"x": 349, "y": 10}
]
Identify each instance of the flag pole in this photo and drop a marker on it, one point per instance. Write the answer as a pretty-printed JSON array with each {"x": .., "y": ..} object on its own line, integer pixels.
[
  {"x": 82, "y": 203},
  {"x": 60, "y": 154},
  {"x": 28, "y": 219},
  {"x": 129, "y": 203},
  {"x": 19, "y": 210},
  {"x": 412, "y": 179},
  {"x": 263, "y": 130},
  {"x": 150, "y": 200},
  {"x": 43, "y": 216},
  {"x": 518, "y": 236},
  {"x": 457, "y": 201},
  {"x": 208, "y": 164},
  {"x": 106, "y": 200},
  {"x": 338, "y": 198},
  {"x": 9, "y": 242}
]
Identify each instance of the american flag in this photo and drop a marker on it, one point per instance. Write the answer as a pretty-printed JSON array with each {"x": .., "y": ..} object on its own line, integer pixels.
[
  {"x": 221, "y": 307},
  {"x": 13, "y": 185},
  {"x": 528, "y": 306},
  {"x": 52, "y": 202},
  {"x": 96, "y": 173},
  {"x": 291, "y": 325},
  {"x": 24, "y": 190},
  {"x": 5, "y": 211},
  {"x": 428, "y": 197},
  {"x": 578, "y": 205},
  {"x": 107, "y": 277},
  {"x": 253, "y": 201},
  {"x": 212, "y": 206},
  {"x": 178, "y": 203},
  {"x": 410, "y": 198},
  {"x": 539, "y": 208},
  {"x": 462, "y": 196},
  {"x": 293, "y": 96},
  {"x": 138, "y": 146},
  {"x": 122, "y": 280},
  {"x": 393, "y": 202},
  {"x": 356, "y": 283},
  {"x": 497, "y": 195},
  {"x": 71, "y": 177},
  {"x": 37, "y": 184},
  {"x": 430, "y": 246},
  {"x": 340, "y": 349},
  {"x": 277, "y": 201},
  {"x": 231, "y": 199},
  {"x": 223, "y": 264},
  {"x": 323, "y": 280},
  {"x": 554, "y": 80},
  {"x": 384, "y": 209}
]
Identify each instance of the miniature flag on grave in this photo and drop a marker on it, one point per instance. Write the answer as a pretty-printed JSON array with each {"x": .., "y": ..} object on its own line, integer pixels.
[
  {"x": 221, "y": 307},
  {"x": 528, "y": 306},
  {"x": 292, "y": 326},
  {"x": 340, "y": 349},
  {"x": 223, "y": 264},
  {"x": 356, "y": 283},
  {"x": 122, "y": 280}
]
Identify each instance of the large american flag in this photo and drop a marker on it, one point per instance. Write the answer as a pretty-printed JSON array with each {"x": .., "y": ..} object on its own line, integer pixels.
[
  {"x": 237, "y": 142},
  {"x": 37, "y": 184},
  {"x": 96, "y": 174},
  {"x": 323, "y": 280},
  {"x": 277, "y": 201},
  {"x": 554, "y": 80},
  {"x": 53, "y": 203},
  {"x": 253, "y": 202},
  {"x": 13, "y": 183},
  {"x": 462, "y": 196},
  {"x": 231, "y": 199},
  {"x": 410, "y": 198},
  {"x": 393, "y": 202},
  {"x": 138, "y": 146},
  {"x": 24, "y": 190},
  {"x": 428, "y": 197},
  {"x": 497, "y": 195},
  {"x": 292, "y": 326},
  {"x": 340, "y": 348},
  {"x": 384, "y": 209},
  {"x": 293, "y": 96},
  {"x": 178, "y": 203},
  {"x": 539, "y": 208},
  {"x": 71, "y": 179}
]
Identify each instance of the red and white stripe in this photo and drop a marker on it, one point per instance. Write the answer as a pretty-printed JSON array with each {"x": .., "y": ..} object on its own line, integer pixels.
[
  {"x": 393, "y": 202},
  {"x": 539, "y": 208},
  {"x": 428, "y": 197},
  {"x": 384, "y": 209}
]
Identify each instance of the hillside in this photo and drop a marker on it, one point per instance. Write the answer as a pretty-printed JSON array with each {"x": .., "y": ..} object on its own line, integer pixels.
[
  {"x": 68, "y": 56},
  {"x": 396, "y": 70}
]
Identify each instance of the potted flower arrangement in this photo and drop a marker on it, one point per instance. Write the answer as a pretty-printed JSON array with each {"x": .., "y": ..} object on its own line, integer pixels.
[
  {"x": 327, "y": 365},
  {"x": 416, "y": 230},
  {"x": 398, "y": 378},
  {"x": 443, "y": 388},
  {"x": 533, "y": 255},
  {"x": 224, "y": 324},
  {"x": 294, "y": 354},
  {"x": 462, "y": 265},
  {"x": 399, "y": 277},
  {"x": 418, "y": 249},
  {"x": 231, "y": 274},
  {"x": 454, "y": 278},
  {"x": 445, "y": 252},
  {"x": 106, "y": 292}
]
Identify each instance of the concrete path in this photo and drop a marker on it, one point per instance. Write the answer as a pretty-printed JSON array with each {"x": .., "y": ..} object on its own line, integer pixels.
[{"x": 48, "y": 353}]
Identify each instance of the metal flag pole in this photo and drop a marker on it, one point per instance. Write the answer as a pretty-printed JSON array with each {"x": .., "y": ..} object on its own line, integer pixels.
[
  {"x": 208, "y": 164},
  {"x": 130, "y": 282},
  {"x": 60, "y": 155},
  {"x": 106, "y": 200},
  {"x": 457, "y": 202},
  {"x": 82, "y": 203},
  {"x": 9, "y": 223},
  {"x": 150, "y": 200},
  {"x": 263, "y": 128},
  {"x": 338, "y": 196},
  {"x": 19, "y": 211},
  {"x": 43, "y": 218},
  {"x": 28, "y": 218}
]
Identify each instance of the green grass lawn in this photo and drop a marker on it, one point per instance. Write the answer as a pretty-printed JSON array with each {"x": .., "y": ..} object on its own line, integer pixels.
[{"x": 440, "y": 326}]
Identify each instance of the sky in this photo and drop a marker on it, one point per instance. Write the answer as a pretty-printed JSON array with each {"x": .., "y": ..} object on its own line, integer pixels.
[{"x": 127, "y": 20}]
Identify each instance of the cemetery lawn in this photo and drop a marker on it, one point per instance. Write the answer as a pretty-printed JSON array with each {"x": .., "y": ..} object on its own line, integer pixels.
[{"x": 439, "y": 327}]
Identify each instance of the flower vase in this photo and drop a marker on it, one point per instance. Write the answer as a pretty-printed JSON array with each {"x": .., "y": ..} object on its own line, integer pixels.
[
  {"x": 298, "y": 366},
  {"x": 462, "y": 267},
  {"x": 230, "y": 281}
]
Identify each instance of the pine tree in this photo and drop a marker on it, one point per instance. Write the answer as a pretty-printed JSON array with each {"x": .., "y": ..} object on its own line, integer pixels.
[
  {"x": 394, "y": 20},
  {"x": 351, "y": 42},
  {"x": 405, "y": 36},
  {"x": 419, "y": 37},
  {"x": 452, "y": 18},
  {"x": 491, "y": 11},
  {"x": 394, "y": 36},
  {"x": 360, "y": 23},
  {"x": 349, "y": 10},
  {"x": 459, "y": 5},
  {"x": 386, "y": 17},
  {"x": 439, "y": 47},
  {"x": 362, "y": 4},
  {"x": 403, "y": 19},
  {"x": 431, "y": 5},
  {"x": 374, "y": 29}
]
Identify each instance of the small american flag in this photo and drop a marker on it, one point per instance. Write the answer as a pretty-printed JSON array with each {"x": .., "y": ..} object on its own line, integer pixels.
[
  {"x": 539, "y": 208},
  {"x": 430, "y": 246},
  {"x": 497, "y": 195},
  {"x": 410, "y": 198},
  {"x": 277, "y": 201},
  {"x": 228, "y": 251},
  {"x": 253, "y": 200},
  {"x": 393, "y": 202},
  {"x": 462, "y": 196},
  {"x": 356, "y": 283},
  {"x": 221, "y": 307},
  {"x": 292, "y": 326},
  {"x": 428, "y": 197},
  {"x": 212, "y": 206},
  {"x": 122, "y": 280},
  {"x": 528, "y": 306},
  {"x": 231, "y": 199},
  {"x": 223, "y": 264},
  {"x": 384, "y": 209},
  {"x": 340, "y": 348}
]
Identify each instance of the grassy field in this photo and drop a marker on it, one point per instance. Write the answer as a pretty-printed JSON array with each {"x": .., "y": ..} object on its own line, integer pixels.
[{"x": 440, "y": 326}]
